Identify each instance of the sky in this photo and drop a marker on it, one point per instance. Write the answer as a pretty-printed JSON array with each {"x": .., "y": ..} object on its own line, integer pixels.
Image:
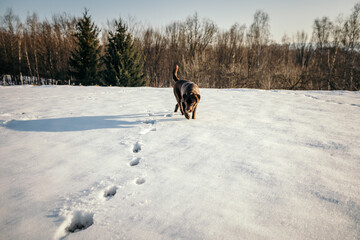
[{"x": 286, "y": 16}]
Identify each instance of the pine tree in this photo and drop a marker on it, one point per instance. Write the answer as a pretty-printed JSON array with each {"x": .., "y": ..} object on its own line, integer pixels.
[
  {"x": 84, "y": 60},
  {"x": 122, "y": 60}
]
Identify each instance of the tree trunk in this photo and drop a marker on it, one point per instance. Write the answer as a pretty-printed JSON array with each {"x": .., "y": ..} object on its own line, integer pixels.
[
  {"x": 27, "y": 59},
  {"x": 20, "y": 74}
]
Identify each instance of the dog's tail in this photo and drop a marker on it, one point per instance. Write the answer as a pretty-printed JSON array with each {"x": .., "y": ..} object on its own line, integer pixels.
[{"x": 175, "y": 77}]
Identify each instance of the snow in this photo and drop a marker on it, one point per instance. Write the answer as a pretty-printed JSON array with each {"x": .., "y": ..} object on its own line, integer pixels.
[{"x": 117, "y": 163}]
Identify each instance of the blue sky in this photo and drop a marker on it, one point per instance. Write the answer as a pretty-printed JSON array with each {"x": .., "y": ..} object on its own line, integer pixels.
[{"x": 285, "y": 16}]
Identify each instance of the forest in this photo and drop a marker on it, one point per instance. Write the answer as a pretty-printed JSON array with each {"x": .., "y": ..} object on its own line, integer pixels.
[{"x": 127, "y": 53}]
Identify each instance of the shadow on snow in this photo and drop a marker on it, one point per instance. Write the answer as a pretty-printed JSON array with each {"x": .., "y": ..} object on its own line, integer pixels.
[{"x": 84, "y": 123}]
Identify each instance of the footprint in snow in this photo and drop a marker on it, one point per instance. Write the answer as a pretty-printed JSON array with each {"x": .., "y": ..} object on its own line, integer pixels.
[
  {"x": 150, "y": 121},
  {"x": 134, "y": 162},
  {"x": 140, "y": 181},
  {"x": 110, "y": 192},
  {"x": 136, "y": 147},
  {"x": 80, "y": 221}
]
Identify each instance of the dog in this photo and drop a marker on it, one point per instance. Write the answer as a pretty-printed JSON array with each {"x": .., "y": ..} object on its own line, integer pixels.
[{"x": 187, "y": 95}]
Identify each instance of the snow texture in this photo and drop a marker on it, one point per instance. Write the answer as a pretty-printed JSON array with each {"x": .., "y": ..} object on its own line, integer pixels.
[{"x": 117, "y": 163}]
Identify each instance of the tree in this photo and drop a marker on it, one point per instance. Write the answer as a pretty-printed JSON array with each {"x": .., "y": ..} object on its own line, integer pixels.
[
  {"x": 84, "y": 60},
  {"x": 122, "y": 60},
  {"x": 351, "y": 42},
  {"x": 321, "y": 32},
  {"x": 322, "y": 29},
  {"x": 11, "y": 31},
  {"x": 229, "y": 56},
  {"x": 198, "y": 34},
  {"x": 258, "y": 38},
  {"x": 153, "y": 48}
]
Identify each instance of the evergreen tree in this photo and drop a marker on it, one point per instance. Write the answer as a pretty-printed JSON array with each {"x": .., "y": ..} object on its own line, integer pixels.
[
  {"x": 122, "y": 60},
  {"x": 84, "y": 60}
]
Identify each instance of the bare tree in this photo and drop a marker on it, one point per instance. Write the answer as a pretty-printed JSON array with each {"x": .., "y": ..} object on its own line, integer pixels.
[
  {"x": 198, "y": 34},
  {"x": 257, "y": 38},
  {"x": 32, "y": 31},
  {"x": 321, "y": 32},
  {"x": 230, "y": 53},
  {"x": 154, "y": 47},
  {"x": 351, "y": 42},
  {"x": 332, "y": 53},
  {"x": 11, "y": 44},
  {"x": 321, "y": 37}
]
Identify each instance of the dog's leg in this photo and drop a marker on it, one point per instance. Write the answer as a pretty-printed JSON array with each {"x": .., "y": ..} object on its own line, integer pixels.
[
  {"x": 194, "y": 112},
  {"x": 181, "y": 104},
  {"x": 185, "y": 113},
  {"x": 176, "y": 107}
]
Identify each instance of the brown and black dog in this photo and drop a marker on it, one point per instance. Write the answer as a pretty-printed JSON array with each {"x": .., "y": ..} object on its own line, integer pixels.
[{"x": 187, "y": 95}]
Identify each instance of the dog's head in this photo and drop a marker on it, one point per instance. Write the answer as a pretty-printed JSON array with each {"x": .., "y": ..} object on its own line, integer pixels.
[{"x": 190, "y": 101}]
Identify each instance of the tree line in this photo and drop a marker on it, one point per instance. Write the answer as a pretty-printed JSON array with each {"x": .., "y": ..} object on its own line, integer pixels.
[{"x": 70, "y": 50}]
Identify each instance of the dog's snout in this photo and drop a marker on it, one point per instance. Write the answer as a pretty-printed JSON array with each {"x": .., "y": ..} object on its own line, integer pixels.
[{"x": 189, "y": 109}]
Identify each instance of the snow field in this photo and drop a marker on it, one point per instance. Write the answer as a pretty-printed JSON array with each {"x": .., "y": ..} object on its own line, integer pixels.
[{"x": 117, "y": 163}]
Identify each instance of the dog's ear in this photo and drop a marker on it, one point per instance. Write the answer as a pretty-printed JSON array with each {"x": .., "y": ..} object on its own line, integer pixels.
[{"x": 184, "y": 96}]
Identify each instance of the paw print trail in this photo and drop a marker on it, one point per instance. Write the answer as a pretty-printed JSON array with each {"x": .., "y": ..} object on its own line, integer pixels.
[{"x": 79, "y": 210}]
